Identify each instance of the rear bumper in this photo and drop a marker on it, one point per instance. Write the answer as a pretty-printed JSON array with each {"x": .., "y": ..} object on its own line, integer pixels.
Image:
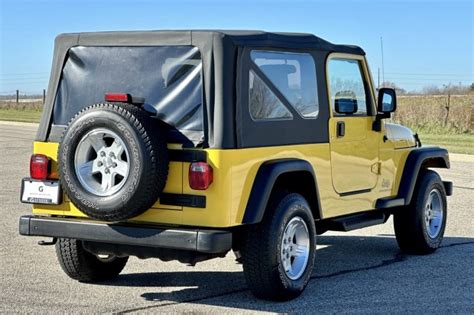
[{"x": 204, "y": 241}]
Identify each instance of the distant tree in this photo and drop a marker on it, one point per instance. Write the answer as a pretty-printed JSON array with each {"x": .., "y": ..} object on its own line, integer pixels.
[
  {"x": 445, "y": 89},
  {"x": 431, "y": 90},
  {"x": 392, "y": 85}
]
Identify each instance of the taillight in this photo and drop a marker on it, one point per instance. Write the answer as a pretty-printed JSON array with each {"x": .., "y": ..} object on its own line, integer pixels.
[
  {"x": 200, "y": 175},
  {"x": 117, "y": 97},
  {"x": 39, "y": 166}
]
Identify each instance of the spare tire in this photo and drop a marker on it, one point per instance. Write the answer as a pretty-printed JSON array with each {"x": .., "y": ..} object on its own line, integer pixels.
[{"x": 113, "y": 161}]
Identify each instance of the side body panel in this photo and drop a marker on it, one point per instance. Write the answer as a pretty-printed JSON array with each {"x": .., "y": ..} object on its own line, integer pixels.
[{"x": 234, "y": 174}]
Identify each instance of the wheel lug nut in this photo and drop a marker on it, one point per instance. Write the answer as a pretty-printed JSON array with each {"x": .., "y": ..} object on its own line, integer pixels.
[
  {"x": 107, "y": 171},
  {"x": 99, "y": 164},
  {"x": 102, "y": 153},
  {"x": 114, "y": 164}
]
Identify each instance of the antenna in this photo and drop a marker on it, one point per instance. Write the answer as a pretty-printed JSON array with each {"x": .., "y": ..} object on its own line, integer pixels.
[
  {"x": 383, "y": 68},
  {"x": 378, "y": 78}
]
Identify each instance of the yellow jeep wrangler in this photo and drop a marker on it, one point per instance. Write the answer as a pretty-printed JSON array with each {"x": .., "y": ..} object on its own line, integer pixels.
[{"x": 184, "y": 145}]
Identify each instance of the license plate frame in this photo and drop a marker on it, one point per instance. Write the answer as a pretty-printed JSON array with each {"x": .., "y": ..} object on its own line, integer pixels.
[{"x": 43, "y": 192}]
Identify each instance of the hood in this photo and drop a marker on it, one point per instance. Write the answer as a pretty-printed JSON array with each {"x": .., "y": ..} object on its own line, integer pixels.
[{"x": 401, "y": 136}]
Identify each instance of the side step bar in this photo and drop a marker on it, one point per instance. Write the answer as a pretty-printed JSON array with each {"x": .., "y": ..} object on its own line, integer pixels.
[{"x": 356, "y": 221}]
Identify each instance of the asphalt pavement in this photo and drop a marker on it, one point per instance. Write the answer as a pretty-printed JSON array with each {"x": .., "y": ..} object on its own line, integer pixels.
[{"x": 356, "y": 272}]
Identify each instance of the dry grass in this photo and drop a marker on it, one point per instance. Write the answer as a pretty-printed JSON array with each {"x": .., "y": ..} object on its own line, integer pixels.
[
  {"x": 36, "y": 105},
  {"x": 428, "y": 113}
]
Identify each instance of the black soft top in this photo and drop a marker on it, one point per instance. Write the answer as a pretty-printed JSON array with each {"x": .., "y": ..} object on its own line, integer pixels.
[
  {"x": 219, "y": 50},
  {"x": 235, "y": 37}
]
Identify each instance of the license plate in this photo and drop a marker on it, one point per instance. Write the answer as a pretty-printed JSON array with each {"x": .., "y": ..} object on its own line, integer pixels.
[{"x": 46, "y": 192}]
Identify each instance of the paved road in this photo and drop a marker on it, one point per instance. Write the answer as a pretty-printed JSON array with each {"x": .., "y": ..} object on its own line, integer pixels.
[{"x": 356, "y": 272}]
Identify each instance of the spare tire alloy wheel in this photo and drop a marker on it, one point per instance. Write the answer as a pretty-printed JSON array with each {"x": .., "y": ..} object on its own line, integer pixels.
[
  {"x": 102, "y": 169},
  {"x": 113, "y": 161}
]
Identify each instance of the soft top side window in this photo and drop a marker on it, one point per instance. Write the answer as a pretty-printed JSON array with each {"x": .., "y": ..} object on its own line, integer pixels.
[
  {"x": 264, "y": 104},
  {"x": 293, "y": 75}
]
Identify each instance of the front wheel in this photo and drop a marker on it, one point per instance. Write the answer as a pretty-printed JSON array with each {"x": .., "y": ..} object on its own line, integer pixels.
[
  {"x": 278, "y": 254},
  {"x": 419, "y": 227}
]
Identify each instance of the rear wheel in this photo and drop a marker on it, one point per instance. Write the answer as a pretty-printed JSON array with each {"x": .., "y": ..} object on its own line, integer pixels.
[
  {"x": 278, "y": 254},
  {"x": 419, "y": 228},
  {"x": 83, "y": 266}
]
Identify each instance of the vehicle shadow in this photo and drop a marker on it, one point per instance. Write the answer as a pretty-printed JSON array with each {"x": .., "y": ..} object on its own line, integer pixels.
[{"x": 343, "y": 269}]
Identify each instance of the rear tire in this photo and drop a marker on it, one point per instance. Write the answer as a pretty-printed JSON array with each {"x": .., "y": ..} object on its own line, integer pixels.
[
  {"x": 278, "y": 262},
  {"x": 419, "y": 227},
  {"x": 83, "y": 266}
]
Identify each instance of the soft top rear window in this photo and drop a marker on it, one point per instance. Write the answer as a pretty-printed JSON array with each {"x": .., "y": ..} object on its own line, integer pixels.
[{"x": 168, "y": 77}]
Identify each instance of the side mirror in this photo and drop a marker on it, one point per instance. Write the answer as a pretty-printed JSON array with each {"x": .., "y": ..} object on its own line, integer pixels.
[
  {"x": 345, "y": 103},
  {"x": 386, "y": 104},
  {"x": 387, "y": 101}
]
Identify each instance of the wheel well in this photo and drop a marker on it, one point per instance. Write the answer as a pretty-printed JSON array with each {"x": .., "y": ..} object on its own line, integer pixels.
[
  {"x": 434, "y": 162},
  {"x": 301, "y": 182},
  {"x": 418, "y": 160}
]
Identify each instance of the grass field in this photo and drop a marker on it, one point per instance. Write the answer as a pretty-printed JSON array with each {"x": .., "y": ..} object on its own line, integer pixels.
[
  {"x": 425, "y": 114},
  {"x": 23, "y": 115},
  {"x": 463, "y": 143}
]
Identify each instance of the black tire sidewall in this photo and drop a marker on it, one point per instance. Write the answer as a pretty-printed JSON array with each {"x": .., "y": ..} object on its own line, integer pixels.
[{"x": 89, "y": 120}]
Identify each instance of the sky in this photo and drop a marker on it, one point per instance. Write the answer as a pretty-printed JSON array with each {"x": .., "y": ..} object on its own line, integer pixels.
[{"x": 425, "y": 43}]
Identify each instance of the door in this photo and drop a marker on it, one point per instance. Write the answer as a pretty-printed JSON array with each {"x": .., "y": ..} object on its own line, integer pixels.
[{"x": 354, "y": 145}]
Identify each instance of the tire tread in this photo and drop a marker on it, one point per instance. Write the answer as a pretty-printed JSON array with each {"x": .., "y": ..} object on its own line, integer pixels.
[{"x": 83, "y": 266}]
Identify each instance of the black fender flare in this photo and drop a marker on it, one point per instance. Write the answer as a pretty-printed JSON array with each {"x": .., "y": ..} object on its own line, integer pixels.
[
  {"x": 425, "y": 156},
  {"x": 264, "y": 182}
]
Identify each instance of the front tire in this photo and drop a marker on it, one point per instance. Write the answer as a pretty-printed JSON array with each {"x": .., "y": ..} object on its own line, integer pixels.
[
  {"x": 278, "y": 254},
  {"x": 419, "y": 227},
  {"x": 83, "y": 266}
]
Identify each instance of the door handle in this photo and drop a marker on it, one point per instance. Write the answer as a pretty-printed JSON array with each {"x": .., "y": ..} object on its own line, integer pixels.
[{"x": 340, "y": 129}]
